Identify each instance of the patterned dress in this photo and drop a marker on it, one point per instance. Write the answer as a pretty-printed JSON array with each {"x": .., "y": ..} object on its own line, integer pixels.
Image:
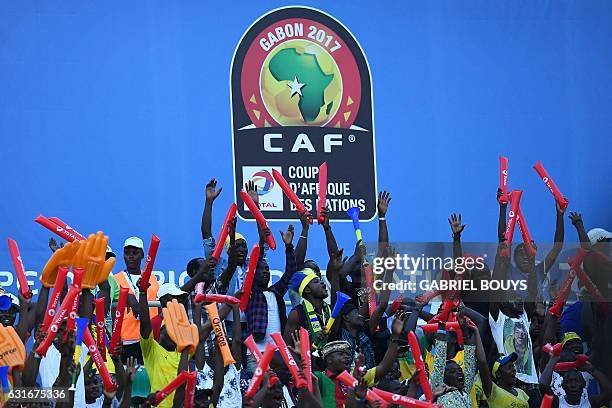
[{"x": 455, "y": 399}]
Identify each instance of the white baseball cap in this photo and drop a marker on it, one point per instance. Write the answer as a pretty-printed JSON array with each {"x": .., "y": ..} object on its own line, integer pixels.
[
  {"x": 598, "y": 234},
  {"x": 134, "y": 242},
  {"x": 169, "y": 289}
]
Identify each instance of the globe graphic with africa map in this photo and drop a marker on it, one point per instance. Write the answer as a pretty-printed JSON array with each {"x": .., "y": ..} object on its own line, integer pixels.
[{"x": 301, "y": 84}]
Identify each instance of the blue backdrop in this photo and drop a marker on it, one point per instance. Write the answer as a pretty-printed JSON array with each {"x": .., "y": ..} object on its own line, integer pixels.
[{"x": 113, "y": 115}]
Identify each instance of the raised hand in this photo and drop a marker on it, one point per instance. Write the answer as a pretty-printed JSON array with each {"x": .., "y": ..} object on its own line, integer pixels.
[
  {"x": 441, "y": 390},
  {"x": 53, "y": 245},
  {"x": 576, "y": 217},
  {"x": 288, "y": 235},
  {"x": 559, "y": 209},
  {"x": 325, "y": 215},
  {"x": 455, "y": 223},
  {"x": 305, "y": 218},
  {"x": 398, "y": 324},
  {"x": 384, "y": 198},
  {"x": 295, "y": 336},
  {"x": 251, "y": 189},
  {"x": 131, "y": 369},
  {"x": 211, "y": 190}
]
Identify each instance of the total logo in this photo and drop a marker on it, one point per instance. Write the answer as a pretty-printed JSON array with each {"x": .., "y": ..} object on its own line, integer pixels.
[{"x": 270, "y": 195}]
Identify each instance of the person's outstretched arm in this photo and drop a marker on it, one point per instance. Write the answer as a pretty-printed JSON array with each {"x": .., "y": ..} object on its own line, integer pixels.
[
  {"x": 456, "y": 228},
  {"x": 605, "y": 395},
  {"x": 236, "y": 337},
  {"x": 390, "y": 356},
  {"x": 576, "y": 218},
  {"x": 384, "y": 199},
  {"x": 282, "y": 285},
  {"x": 179, "y": 394},
  {"x": 302, "y": 245},
  {"x": 554, "y": 252},
  {"x": 332, "y": 246},
  {"x": 500, "y": 272},
  {"x": 143, "y": 311},
  {"x": 501, "y": 221},
  {"x": 211, "y": 195}
]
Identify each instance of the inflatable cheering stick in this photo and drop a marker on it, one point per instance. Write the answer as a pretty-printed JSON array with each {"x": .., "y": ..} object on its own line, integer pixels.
[
  {"x": 261, "y": 220},
  {"x": 148, "y": 268},
  {"x": 564, "y": 292},
  {"x": 527, "y": 240},
  {"x": 351, "y": 381},
  {"x": 249, "y": 277},
  {"x": 118, "y": 321},
  {"x": 100, "y": 330},
  {"x": 58, "y": 287},
  {"x": 289, "y": 360},
  {"x": 183, "y": 333},
  {"x": 515, "y": 199},
  {"x": 299, "y": 206},
  {"x": 547, "y": 401},
  {"x": 220, "y": 337},
  {"x": 82, "y": 323},
  {"x": 341, "y": 299},
  {"x": 67, "y": 227},
  {"x": 305, "y": 351},
  {"x": 24, "y": 288},
  {"x": 420, "y": 365},
  {"x": 553, "y": 351},
  {"x": 503, "y": 179},
  {"x": 58, "y": 230},
  {"x": 250, "y": 343},
  {"x": 231, "y": 214},
  {"x": 548, "y": 181},
  {"x": 404, "y": 401},
  {"x": 109, "y": 385},
  {"x": 171, "y": 387},
  {"x": 213, "y": 297},
  {"x": 42, "y": 348},
  {"x": 322, "y": 191},
  {"x": 353, "y": 214},
  {"x": 74, "y": 307},
  {"x": 190, "y": 387},
  {"x": 260, "y": 371},
  {"x": 572, "y": 365}
]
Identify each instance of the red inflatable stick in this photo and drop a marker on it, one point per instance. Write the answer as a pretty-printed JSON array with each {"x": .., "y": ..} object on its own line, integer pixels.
[
  {"x": 564, "y": 292},
  {"x": 231, "y": 214},
  {"x": 190, "y": 387},
  {"x": 24, "y": 288},
  {"x": 551, "y": 185},
  {"x": 67, "y": 228},
  {"x": 118, "y": 321},
  {"x": 428, "y": 296},
  {"x": 527, "y": 240},
  {"x": 305, "y": 350},
  {"x": 211, "y": 297},
  {"x": 503, "y": 179},
  {"x": 515, "y": 200},
  {"x": 258, "y": 217},
  {"x": 454, "y": 327},
  {"x": 404, "y": 401},
  {"x": 250, "y": 343},
  {"x": 261, "y": 369},
  {"x": 553, "y": 350},
  {"x": 42, "y": 348},
  {"x": 572, "y": 365},
  {"x": 74, "y": 308},
  {"x": 148, "y": 268},
  {"x": 299, "y": 206},
  {"x": 100, "y": 331},
  {"x": 420, "y": 365},
  {"x": 58, "y": 287},
  {"x": 289, "y": 360},
  {"x": 351, "y": 381},
  {"x": 171, "y": 387},
  {"x": 322, "y": 191},
  {"x": 445, "y": 310},
  {"x": 547, "y": 401},
  {"x": 249, "y": 277},
  {"x": 53, "y": 227},
  {"x": 109, "y": 385}
]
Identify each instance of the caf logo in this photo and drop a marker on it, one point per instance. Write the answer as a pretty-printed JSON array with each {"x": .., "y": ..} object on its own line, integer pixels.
[
  {"x": 299, "y": 71},
  {"x": 264, "y": 181}
]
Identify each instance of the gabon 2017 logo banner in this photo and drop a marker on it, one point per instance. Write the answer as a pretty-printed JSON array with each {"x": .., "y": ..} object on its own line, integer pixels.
[{"x": 301, "y": 95}]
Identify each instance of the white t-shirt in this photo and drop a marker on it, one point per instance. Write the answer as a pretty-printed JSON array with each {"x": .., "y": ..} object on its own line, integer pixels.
[
  {"x": 584, "y": 403},
  {"x": 512, "y": 335},
  {"x": 98, "y": 403},
  {"x": 274, "y": 324},
  {"x": 49, "y": 370},
  {"x": 558, "y": 390},
  {"x": 287, "y": 397}
]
